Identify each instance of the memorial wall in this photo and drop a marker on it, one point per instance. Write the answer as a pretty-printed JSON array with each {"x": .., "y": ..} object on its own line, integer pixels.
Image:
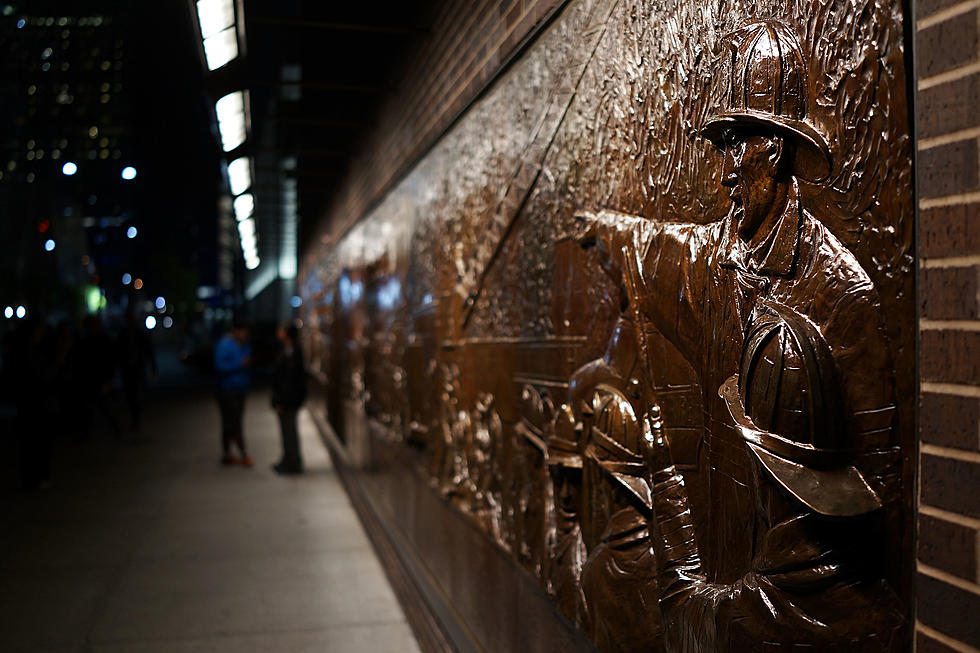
[{"x": 627, "y": 357}]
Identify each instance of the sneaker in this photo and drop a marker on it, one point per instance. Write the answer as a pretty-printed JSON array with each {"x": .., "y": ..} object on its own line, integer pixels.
[
  {"x": 246, "y": 461},
  {"x": 285, "y": 470}
]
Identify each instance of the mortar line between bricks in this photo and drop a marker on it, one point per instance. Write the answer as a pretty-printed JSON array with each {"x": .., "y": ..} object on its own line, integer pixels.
[
  {"x": 951, "y": 325},
  {"x": 948, "y": 452},
  {"x": 946, "y": 515},
  {"x": 943, "y": 638},
  {"x": 945, "y": 14},
  {"x": 950, "y": 389},
  {"x": 949, "y": 76},
  {"x": 951, "y": 137},
  {"x": 948, "y": 578},
  {"x": 950, "y": 200},
  {"x": 951, "y": 262}
]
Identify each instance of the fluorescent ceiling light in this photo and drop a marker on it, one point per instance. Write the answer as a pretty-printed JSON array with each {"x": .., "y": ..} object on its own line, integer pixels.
[
  {"x": 244, "y": 206},
  {"x": 215, "y": 16},
  {"x": 221, "y": 48},
  {"x": 231, "y": 120},
  {"x": 239, "y": 175},
  {"x": 246, "y": 227}
]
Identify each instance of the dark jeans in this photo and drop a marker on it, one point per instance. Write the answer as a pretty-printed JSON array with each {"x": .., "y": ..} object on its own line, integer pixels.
[
  {"x": 232, "y": 405},
  {"x": 291, "y": 458}
]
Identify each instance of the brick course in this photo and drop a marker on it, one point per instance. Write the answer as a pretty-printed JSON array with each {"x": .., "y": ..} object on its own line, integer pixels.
[
  {"x": 949, "y": 107},
  {"x": 949, "y": 609},
  {"x": 950, "y": 356},
  {"x": 949, "y": 231},
  {"x": 946, "y": 45},
  {"x": 949, "y": 293},
  {"x": 950, "y": 421},
  {"x": 948, "y": 546},
  {"x": 949, "y": 169}
]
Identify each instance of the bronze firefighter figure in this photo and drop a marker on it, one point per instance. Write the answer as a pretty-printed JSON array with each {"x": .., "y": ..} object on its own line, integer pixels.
[{"x": 782, "y": 326}]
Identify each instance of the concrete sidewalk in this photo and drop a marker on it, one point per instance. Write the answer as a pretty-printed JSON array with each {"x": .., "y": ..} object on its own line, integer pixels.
[{"x": 149, "y": 545}]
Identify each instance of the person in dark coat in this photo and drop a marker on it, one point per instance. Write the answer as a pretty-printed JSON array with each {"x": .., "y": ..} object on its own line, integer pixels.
[{"x": 288, "y": 394}]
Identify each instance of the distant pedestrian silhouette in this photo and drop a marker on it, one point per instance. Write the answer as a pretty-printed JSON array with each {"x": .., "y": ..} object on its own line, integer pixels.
[
  {"x": 288, "y": 394},
  {"x": 232, "y": 360}
]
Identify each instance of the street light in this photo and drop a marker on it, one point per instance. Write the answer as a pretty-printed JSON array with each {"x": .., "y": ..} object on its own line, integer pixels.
[
  {"x": 69, "y": 168},
  {"x": 128, "y": 173}
]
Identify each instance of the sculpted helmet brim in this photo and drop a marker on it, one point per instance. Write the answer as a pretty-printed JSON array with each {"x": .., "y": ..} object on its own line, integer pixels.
[
  {"x": 812, "y": 152},
  {"x": 836, "y": 490}
]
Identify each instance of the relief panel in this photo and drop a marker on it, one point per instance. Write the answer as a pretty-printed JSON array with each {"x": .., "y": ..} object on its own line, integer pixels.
[{"x": 644, "y": 316}]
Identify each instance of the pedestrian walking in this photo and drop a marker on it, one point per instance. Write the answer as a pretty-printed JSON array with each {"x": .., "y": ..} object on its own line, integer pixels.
[
  {"x": 288, "y": 394},
  {"x": 232, "y": 360}
]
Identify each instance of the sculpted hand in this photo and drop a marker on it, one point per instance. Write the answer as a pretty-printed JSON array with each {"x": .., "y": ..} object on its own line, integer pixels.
[{"x": 655, "y": 447}]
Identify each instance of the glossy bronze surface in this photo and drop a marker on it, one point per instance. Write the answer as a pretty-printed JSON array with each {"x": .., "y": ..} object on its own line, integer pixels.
[{"x": 644, "y": 316}]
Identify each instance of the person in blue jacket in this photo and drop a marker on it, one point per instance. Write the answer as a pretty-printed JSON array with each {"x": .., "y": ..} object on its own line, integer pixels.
[{"x": 232, "y": 360}]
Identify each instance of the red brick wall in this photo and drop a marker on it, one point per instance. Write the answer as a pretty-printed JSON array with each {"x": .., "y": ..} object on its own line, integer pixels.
[
  {"x": 948, "y": 105},
  {"x": 468, "y": 44}
]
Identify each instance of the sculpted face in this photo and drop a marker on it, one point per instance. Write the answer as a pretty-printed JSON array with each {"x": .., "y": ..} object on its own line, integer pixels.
[{"x": 751, "y": 173}]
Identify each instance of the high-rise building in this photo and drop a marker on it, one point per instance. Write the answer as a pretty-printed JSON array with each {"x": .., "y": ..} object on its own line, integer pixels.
[{"x": 67, "y": 152}]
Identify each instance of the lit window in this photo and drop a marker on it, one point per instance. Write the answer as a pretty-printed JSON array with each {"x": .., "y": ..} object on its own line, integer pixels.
[
  {"x": 231, "y": 120},
  {"x": 239, "y": 175}
]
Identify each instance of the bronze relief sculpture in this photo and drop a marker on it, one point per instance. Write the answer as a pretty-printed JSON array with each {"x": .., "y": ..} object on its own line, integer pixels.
[
  {"x": 783, "y": 326},
  {"x": 688, "y": 417}
]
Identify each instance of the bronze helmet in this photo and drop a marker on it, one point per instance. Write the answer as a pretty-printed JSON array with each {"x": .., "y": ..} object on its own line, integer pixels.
[
  {"x": 785, "y": 402},
  {"x": 768, "y": 88}
]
